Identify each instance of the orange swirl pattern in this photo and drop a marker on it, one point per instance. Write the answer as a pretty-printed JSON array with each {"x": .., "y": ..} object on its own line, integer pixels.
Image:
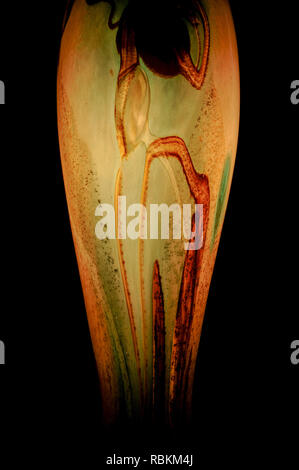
[{"x": 199, "y": 188}]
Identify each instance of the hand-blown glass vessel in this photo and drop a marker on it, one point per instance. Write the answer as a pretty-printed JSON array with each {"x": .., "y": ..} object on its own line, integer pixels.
[{"x": 148, "y": 115}]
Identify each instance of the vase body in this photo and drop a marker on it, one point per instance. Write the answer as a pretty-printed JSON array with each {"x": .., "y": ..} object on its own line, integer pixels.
[{"x": 140, "y": 129}]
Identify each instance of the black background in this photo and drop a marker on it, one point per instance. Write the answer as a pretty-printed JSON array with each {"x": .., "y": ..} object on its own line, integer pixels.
[{"x": 246, "y": 390}]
